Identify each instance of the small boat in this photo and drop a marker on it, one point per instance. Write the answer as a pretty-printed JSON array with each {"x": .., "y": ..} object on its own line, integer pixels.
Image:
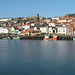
[
  {"x": 73, "y": 38},
  {"x": 47, "y": 38},
  {"x": 6, "y": 38},
  {"x": 16, "y": 38}
]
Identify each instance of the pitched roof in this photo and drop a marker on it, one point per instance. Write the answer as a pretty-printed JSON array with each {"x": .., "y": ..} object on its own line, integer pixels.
[
  {"x": 27, "y": 30},
  {"x": 73, "y": 26}
]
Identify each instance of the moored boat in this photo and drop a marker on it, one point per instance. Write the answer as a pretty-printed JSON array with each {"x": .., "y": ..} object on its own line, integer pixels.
[
  {"x": 6, "y": 38},
  {"x": 47, "y": 38},
  {"x": 16, "y": 38},
  {"x": 73, "y": 38}
]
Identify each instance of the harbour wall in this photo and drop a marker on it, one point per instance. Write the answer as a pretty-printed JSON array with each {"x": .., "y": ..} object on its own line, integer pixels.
[{"x": 40, "y": 37}]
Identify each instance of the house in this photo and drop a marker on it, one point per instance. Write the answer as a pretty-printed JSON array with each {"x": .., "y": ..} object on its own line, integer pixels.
[
  {"x": 73, "y": 29},
  {"x": 35, "y": 33},
  {"x": 52, "y": 24},
  {"x": 30, "y": 32},
  {"x": 61, "y": 20},
  {"x": 12, "y": 30},
  {"x": 27, "y": 26},
  {"x": 44, "y": 29},
  {"x": 5, "y": 19},
  {"x": 57, "y": 23},
  {"x": 52, "y": 30},
  {"x": 17, "y": 31},
  {"x": 47, "y": 20},
  {"x": 4, "y": 30},
  {"x": 62, "y": 30},
  {"x": 69, "y": 29},
  {"x": 56, "y": 18}
]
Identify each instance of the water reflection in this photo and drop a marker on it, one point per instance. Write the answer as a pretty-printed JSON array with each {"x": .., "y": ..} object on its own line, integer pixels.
[{"x": 32, "y": 57}]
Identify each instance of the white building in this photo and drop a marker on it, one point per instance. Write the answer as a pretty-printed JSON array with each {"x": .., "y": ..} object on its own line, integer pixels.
[
  {"x": 62, "y": 30},
  {"x": 32, "y": 24},
  {"x": 44, "y": 29},
  {"x": 47, "y": 20},
  {"x": 4, "y": 30},
  {"x": 5, "y": 19},
  {"x": 61, "y": 21},
  {"x": 26, "y": 27},
  {"x": 52, "y": 30},
  {"x": 52, "y": 24},
  {"x": 56, "y": 18},
  {"x": 35, "y": 28}
]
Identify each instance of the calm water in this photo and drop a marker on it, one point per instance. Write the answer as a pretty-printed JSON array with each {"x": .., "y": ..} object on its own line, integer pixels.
[{"x": 27, "y": 57}]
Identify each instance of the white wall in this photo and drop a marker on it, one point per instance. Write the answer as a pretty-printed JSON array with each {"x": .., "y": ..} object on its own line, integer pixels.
[
  {"x": 44, "y": 29},
  {"x": 61, "y": 30},
  {"x": 6, "y": 19},
  {"x": 62, "y": 21},
  {"x": 50, "y": 30},
  {"x": 35, "y": 28},
  {"x": 4, "y": 30},
  {"x": 51, "y": 24},
  {"x": 26, "y": 27},
  {"x": 56, "y": 18}
]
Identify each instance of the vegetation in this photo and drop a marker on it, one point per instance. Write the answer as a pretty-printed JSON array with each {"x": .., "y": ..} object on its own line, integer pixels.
[{"x": 70, "y": 15}]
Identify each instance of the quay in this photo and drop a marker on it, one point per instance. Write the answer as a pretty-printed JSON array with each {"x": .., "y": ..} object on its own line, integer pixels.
[
  {"x": 32, "y": 37},
  {"x": 65, "y": 37},
  {"x": 41, "y": 37},
  {"x": 61, "y": 37}
]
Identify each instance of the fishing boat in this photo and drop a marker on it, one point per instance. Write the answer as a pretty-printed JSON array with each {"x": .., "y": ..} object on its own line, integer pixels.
[
  {"x": 47, "y": 38},
  {"x": 16, "y": 38}
]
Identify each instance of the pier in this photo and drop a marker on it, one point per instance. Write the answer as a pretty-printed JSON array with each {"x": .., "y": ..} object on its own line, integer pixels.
[
  {"x": 32, "y": 37},
  {"x": 61, "y": 37},
  {"x": 65, "y": 37}
]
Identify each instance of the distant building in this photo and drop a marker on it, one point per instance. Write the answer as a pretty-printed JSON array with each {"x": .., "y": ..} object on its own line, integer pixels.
[
  {"x": 70, "y": 15},
  {"x": 3, "y": 30},
  {"x": 30, "y": 32},
  {"x": 34, "y": 17},
  {"x": 52, "y": 30},
  {"x": 62, "y": 30},
  {"x": 56, "y": 18},
  {"x": 44, "y": 29},
  {"x": 5, "y": 19},
  {"x": 37, "y": 16},
  {"x": 52, "y": 24}
]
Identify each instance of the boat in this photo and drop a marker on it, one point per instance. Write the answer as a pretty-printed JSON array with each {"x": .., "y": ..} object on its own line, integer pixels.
[
  {"x": 6, "y": 38},
  {"x": 47, "y": 38},
  {"x": 16, "y": 38},
  {"x": 73, "y": 38}
]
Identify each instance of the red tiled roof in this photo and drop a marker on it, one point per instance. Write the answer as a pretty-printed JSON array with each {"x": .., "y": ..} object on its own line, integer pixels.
[
  {"x": 67, "y": 17},
  {"x": 58, "y": 23},
  {"x": 51, "y": 22},
  {"x": 27, "y": 30},
  {"x": 73, "y": 26}
]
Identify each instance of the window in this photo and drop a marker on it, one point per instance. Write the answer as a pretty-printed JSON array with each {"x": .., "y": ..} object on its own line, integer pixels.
[
  {"x": 59, "y": 30},
  {"x": 29, "y": 31},
  {"x": 63, "y": 29},
  {"x": 29, "y": 34}
]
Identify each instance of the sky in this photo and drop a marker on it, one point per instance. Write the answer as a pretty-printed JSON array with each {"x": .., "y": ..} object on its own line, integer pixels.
[{"x": 45, "y": 8}]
